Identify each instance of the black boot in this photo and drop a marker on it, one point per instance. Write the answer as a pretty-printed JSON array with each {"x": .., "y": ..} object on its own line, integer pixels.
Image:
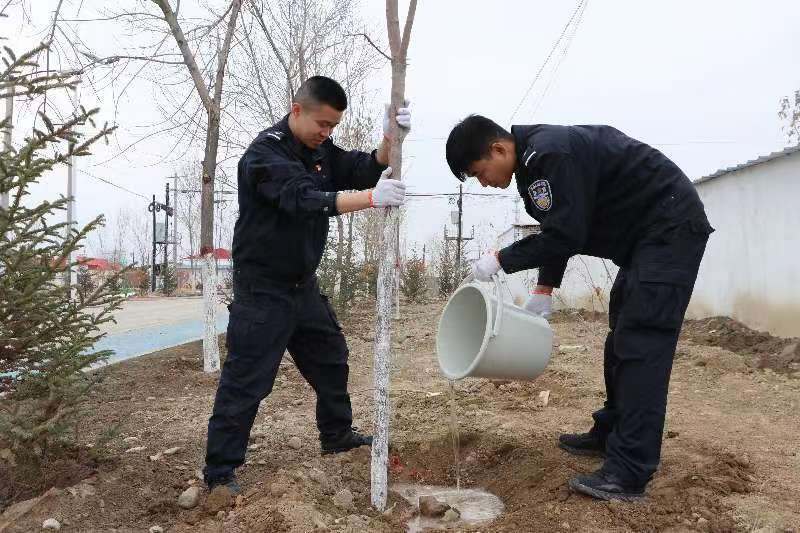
[
  {"x": 228, "y": 482},
  {"x": 347, "y": 441},
  {"x": 583, "y": 444},
  {"x": 606, "y": 486}
]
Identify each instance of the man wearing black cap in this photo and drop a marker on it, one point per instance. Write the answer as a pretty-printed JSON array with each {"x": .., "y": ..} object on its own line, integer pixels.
[{"x": 598, "y": 192}]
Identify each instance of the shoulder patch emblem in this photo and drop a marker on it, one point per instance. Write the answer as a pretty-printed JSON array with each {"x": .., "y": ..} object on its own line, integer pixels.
[
  {"x": 541, "y": 195},
  {"x": 277, "y": 135}
]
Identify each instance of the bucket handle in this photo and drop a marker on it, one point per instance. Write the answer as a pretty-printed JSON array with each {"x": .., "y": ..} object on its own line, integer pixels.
[{"x": 498, "y": 319}]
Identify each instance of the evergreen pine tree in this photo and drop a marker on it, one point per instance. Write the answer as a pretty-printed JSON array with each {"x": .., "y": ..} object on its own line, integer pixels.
[{"x": 46, "y": 334}]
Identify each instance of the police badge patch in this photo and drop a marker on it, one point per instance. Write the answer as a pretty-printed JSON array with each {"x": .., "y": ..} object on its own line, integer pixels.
[{"x": 541, "y": 195}]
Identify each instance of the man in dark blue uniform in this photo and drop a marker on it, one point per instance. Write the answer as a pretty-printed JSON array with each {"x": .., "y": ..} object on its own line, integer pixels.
[
  {"x": 290, "y": 182},
  {"x": 597, "y": 192}
]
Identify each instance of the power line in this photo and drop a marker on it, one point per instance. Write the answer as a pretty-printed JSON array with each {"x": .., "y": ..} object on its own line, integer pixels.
[
  {"x": 445, "y": 194},
  {"x": 547, "y": 59},
  {"x": 112, "y": 184},
  {"x": 680, "y": 143},
  {"x": 567, "y": 44}
]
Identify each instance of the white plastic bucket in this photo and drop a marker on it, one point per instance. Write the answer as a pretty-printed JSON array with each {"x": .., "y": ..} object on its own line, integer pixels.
[{"x": 482, "y": 336}]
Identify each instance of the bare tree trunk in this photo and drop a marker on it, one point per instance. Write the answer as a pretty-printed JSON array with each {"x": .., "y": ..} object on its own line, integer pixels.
[
  {"x": 212, "y": 105},
  {"x": 388, "y": 260},
  {"x": 209, "y": 274}
]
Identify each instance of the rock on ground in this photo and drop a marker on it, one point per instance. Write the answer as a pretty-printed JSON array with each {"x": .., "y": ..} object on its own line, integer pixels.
[
  {"x": 343, "y": 499},
  {"x": 218, "y": 500},
  {"x": 451, "y": 515},
  {"x": 189, "y": 498},
  {"x": 51, "y": 524},
  {"x": 431, "y": 507}
]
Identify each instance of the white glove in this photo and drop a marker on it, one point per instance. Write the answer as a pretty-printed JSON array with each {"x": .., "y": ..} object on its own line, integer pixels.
[
  {"x": 388, "y": 192},
  {"x": 540, "y": 304},
  {"x": 485, "y": 267},
  {"x": 403, "y": 118}
]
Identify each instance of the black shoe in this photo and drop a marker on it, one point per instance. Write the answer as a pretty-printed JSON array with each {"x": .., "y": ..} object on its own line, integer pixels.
[
  {"x": 346, "y": 442},
  {"x": 587, "y": 444},
  {"x": 606, "y": 486},
  {"x": 228, "y": 482}
]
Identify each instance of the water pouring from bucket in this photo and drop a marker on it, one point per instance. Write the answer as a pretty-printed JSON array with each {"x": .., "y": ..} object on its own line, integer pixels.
[{"x": 484, "y": 335}]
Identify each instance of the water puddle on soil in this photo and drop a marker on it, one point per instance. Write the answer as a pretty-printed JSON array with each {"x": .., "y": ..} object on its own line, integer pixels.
[
  {"x": 454, "y": 434},
  {"x": 476, "y": 507}
]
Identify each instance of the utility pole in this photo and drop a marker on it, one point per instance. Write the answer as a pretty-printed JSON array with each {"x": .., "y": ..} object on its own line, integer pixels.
[
  {"x": 459, "y": 232},
  {"x": 7, "y": 137},
  {"x": 154, "y": 208},
  {"x": 460, "y": 215},
  {"x": 71, "y": 193},
  {"x": 175, "y": 224},
  {"x": 167, "y": 214}
]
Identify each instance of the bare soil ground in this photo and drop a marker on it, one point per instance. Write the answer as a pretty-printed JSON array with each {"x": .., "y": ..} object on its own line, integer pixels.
[{"x": 730, "y": 457}]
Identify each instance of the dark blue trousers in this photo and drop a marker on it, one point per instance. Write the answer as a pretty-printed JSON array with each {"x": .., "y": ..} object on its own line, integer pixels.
[
  {"x": 646, "y": 310},
  {"x": 266, "y": 319}
]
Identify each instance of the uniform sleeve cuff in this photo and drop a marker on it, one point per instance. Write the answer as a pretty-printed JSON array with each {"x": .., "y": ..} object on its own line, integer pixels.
[
  {"x": 550, "y": 276},
  {"x": 329, "y": 204},
  {"x": 503, "y": 260}
]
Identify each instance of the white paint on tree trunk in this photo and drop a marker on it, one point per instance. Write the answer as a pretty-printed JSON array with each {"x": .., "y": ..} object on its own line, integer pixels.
[
  {"x": 382, "y": 364},
  {"x": 388, "y": 263},
  {"x": 210, "y": 343}
]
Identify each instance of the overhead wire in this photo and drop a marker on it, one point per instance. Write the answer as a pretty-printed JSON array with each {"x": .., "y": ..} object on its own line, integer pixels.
[
  {"x": 108, "y": 182},
  {"x": 536, "y": 78},
  {"x": 554, "y": 73}
]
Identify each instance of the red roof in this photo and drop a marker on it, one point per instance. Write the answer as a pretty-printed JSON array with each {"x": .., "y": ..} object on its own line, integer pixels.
[
  {"x": 96, "y": 263},
  {"x": 219, "y": 253}
]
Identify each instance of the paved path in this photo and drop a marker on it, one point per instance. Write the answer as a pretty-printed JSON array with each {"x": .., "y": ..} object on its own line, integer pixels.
[{"x": 149, "y": 325}]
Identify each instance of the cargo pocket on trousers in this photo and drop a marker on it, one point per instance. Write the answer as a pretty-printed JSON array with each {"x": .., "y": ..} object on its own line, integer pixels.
[
  {"x": 242, "y": 323},
  {"x": 661, "y": 296},
  {"x": 331, "y": 312}
]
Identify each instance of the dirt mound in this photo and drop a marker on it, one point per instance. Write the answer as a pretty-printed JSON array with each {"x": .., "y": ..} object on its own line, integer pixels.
[
  {"x": 530, "y": 477},
  {"x": 759, "y": 349}
]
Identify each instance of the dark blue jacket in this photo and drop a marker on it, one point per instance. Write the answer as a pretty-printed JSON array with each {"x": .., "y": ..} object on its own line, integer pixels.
[
  {"x": 287, "y": 192},
  {"x": 595, "y": 191}
]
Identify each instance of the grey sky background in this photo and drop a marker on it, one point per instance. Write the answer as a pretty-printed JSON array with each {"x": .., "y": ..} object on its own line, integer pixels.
[{"x": 700, "y": 80}]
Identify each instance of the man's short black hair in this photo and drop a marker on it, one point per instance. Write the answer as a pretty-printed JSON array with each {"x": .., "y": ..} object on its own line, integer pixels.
[
  {"x": 470, "y": 141},
  {"x": 321, "y": 90}
]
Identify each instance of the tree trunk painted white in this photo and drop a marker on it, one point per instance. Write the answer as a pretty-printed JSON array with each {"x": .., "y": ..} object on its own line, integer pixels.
[
  {"x": 210, "y": 342},
  {"x": 212, "y": 102},
  {"x": 388, "y": 262}
]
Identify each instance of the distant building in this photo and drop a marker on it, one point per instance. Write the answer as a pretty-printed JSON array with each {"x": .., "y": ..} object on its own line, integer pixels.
[
  {"x": 520, "y": 283},
  {"x": 750, "y": 269},
  {"x": 189, "y": 269},
  {"x": 99, "y": 269}
]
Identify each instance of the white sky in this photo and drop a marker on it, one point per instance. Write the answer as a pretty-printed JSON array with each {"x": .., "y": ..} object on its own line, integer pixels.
[{"x": 700, "y": 80}]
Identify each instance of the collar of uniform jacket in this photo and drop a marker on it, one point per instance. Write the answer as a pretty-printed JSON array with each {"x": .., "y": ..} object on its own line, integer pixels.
[
  {"x": 523, "y": 145},
  {"x": 301, "y": 150}
]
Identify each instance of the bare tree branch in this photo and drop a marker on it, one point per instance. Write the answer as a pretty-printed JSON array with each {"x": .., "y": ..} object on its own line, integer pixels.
[
  {"x": 412, "y": 10},
  {"x": 381, "y": 52},
  {"x": 268, "y": 35},
  {"x": 188, "y": 57}
]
